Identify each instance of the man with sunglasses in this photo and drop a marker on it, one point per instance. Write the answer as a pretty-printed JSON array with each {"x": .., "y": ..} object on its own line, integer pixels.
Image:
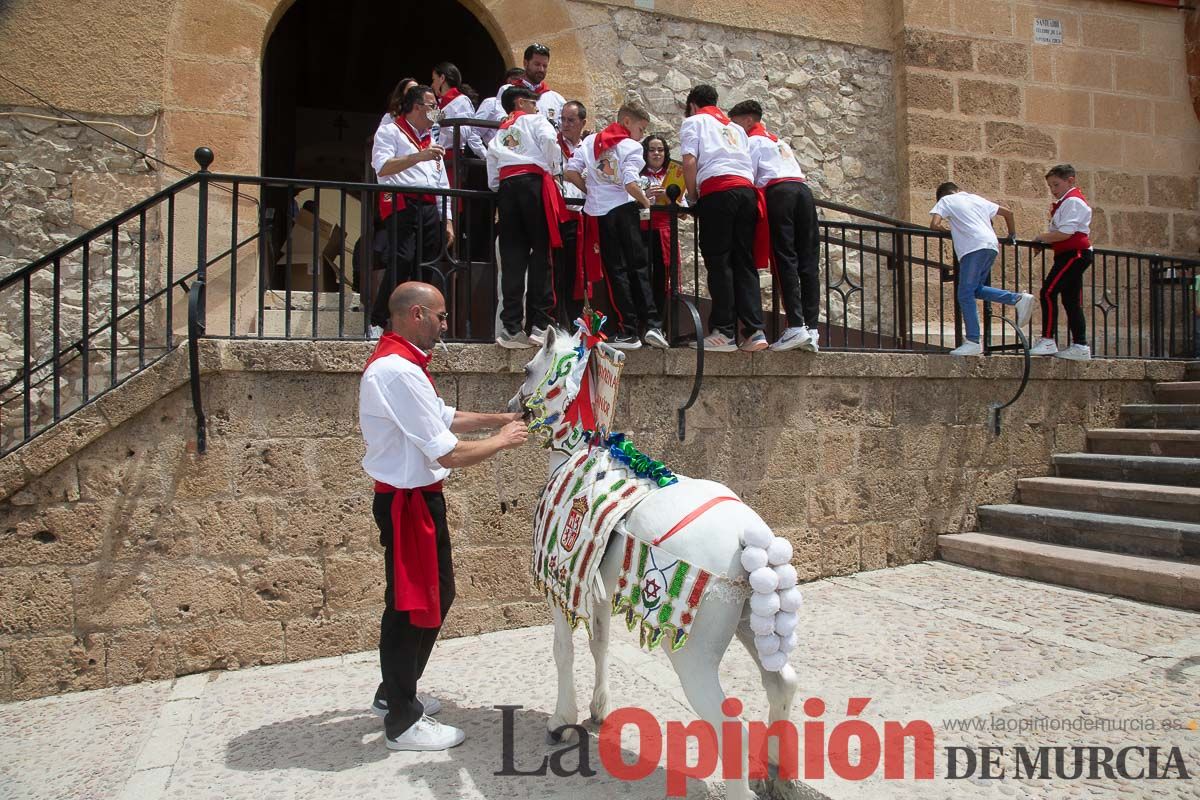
[
  {"x": 405, "y": 155},
  {"x": 411, "y": 447},
  {"x": 549, "y": 102}
]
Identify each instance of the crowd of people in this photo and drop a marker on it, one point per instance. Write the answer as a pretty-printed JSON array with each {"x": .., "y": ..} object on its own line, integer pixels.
[{"x": 574, "y": 214}]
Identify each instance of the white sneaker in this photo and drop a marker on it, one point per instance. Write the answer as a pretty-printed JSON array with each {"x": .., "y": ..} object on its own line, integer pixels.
[
  {"x": 813, "y": 343},
  {"x": 514, "y": 341},
  {"x": 427, "y": 734},
  {"x": 374, "y": 332},
  {"x": 625, "y": 341},
  {"x": 537, "y": 336},
  {"x": 968, "y": 348},
  {"x": 790, "y": 339},
  {"x": 431, "y": 704},
  {"x": 654, "y": 337},
  {"x": 1044, "y": 347},
  {"x": 1024, "y": 309},
  {"x": 755, "y": 342},
  {"x": 1076, "y": 352},
  {"x": 718, "y": 342}
]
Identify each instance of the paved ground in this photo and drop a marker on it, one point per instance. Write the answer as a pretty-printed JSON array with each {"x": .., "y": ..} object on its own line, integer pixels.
[{"x": 930, "y": 641}]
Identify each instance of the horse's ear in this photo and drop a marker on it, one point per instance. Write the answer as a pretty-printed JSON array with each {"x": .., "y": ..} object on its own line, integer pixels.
[{"x": 551, "y": 332}]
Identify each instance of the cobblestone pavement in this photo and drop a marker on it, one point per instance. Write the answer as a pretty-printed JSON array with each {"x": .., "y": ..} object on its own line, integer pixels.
[{"x": 932, "y": 641}]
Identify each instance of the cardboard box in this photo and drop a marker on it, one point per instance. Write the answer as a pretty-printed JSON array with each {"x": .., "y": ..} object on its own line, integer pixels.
[{"x": 302, "y": 268}]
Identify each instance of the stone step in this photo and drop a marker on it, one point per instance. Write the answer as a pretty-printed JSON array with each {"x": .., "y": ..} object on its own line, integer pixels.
[
  {"x": 1116, "y": 534},
  {"x": 1136, "y": 469},
  {"x": 1177, "y": 392},
  {"x": 1145, "y": 442},
  {"x": 1192, "y": 371},
  {"x": 275, "y": 324},
  {"x": 1180, "y": 503},
  {"x": 1152, "y": 580},
  {"x": 1161, "y": 415}
]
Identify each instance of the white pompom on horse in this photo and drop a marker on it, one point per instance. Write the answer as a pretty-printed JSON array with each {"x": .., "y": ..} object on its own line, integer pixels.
[{"x": 683, "y": 560}]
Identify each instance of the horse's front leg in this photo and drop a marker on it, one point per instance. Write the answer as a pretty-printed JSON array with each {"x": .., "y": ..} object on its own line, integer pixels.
[
  {"x": 566, "y": 712},
  {"x": 601, "y": 624}
]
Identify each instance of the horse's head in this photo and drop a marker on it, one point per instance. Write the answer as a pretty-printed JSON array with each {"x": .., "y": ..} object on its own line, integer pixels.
[{"x": 545, "y": 393}]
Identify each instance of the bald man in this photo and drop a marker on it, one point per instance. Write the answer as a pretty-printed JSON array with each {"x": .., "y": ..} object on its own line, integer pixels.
[{"x": 411, "y": 447}]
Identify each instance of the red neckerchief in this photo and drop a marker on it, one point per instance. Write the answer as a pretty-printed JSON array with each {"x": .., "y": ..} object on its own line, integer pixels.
[
  {"x": 448, "y": 97},
  {"x": 1072, "y": 192},
  {"x": 715, "y": 113},
  {"x": 565, "y": 146},
  {"x": 611, "y": 136},
  {"x": 511, "y": 118},
  {"x": 657, "y": 174},
  {"x": 758, "y": 129},
  {"x": 539, "y": 90},
  {"x": 421, "y": 141},
  {"x": 393, "y": 344},
  {"x": 414, "y": 535}
]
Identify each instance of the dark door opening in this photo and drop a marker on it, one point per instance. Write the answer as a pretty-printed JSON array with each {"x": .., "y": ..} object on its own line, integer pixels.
[{"x": 328, "y": 69}]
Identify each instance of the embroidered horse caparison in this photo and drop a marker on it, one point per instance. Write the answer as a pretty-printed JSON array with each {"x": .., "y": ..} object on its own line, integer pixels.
[{"x": 681, "y": 559}]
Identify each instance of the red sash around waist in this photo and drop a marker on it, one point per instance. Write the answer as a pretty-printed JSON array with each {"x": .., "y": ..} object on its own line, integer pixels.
[
  {"x": 552, "y": 201},
  {"x": 1078, "y": 241},
  {"x": 414, "y": 555}
]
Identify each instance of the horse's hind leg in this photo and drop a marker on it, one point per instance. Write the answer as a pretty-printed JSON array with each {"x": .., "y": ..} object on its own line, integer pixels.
[
  {"x": 566, "y": 711},
  {"x": 781, "y": 691},
  {"x": 697, "y": 666}
]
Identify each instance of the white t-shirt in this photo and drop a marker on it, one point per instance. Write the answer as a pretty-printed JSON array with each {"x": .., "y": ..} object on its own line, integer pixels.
[
  {"x": 392, "y": 142},
  {"x": 772, "y": 160},
  {"x": 970, "y": 217},
  {"x": 405, "y": 425},
  {"x": 607, "y": 175},
  {"x": 719, "y": 149}
]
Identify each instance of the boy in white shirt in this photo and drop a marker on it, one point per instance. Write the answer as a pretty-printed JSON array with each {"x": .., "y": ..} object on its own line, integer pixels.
[
  {"x": 968, "y": 217},
  {"x": 522, "y": 161},
  {"x": 1068, "y": 236},
  {"x": 607, "y": 166}
]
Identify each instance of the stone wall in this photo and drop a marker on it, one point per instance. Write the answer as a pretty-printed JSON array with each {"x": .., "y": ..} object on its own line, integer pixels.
[
  {"x": 984, "y": 105},
  {"x": 125, "y": 556},
  {"x": 833, "y": 102}
]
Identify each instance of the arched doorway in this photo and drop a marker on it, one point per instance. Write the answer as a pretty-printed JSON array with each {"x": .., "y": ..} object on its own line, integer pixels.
[{"x": 329, "y": 66}]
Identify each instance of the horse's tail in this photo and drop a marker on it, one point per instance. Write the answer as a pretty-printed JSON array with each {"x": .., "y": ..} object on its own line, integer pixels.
[{"x": 776, "y": 600}]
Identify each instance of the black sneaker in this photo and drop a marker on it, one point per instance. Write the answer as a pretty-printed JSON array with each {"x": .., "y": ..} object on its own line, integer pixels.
[{"x": 625, "y": 341}]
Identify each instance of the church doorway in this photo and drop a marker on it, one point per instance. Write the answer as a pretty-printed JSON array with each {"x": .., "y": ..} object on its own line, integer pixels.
[{"x": 328, "y": 69}]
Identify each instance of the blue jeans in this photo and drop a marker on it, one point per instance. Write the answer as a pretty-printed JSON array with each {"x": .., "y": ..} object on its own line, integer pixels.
[{"x": 973, "y": 271}]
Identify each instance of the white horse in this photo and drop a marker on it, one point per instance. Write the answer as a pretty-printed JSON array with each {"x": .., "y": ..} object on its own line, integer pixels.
[{"x": 726, "y": 540}]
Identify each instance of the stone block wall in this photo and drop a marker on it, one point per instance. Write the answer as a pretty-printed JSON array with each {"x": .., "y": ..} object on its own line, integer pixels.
[
  {"x": 126, "y": 556},
  {"x": 983, "y": 105}
]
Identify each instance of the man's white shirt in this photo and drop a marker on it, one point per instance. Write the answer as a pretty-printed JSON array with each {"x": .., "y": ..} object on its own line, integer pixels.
[
  {"x": 529, "y": 140},
  {"x": 405, "y": 425},
  {"x": 772, "y": 160},
  {"x": 607, "y": 175},
  {"x": 391, "y": 142},
  {"x": 718, "y": 149}
]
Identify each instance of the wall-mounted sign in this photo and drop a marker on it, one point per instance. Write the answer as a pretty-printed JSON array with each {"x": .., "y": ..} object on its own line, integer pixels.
[{"x": 1047, "y": 31}]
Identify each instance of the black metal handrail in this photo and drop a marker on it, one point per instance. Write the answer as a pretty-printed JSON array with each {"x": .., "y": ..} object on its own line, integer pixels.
[{"x": 887, "y": 285}]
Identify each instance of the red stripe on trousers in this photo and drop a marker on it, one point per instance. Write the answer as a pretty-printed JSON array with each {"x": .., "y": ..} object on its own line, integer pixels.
[{"x": 1049, "y": 307}]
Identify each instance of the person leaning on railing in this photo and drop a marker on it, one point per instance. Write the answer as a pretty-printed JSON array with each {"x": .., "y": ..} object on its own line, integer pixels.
[
  {"x": 405, "y": 155},
  {"x": 1068, "y": 236}
]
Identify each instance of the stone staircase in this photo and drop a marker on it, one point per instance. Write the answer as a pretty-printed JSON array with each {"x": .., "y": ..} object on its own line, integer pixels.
[{"x": 1122, "y": 518}]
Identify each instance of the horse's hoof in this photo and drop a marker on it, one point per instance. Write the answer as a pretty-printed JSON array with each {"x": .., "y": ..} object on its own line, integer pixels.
[
  {"x": 553, "y": 738},
  {"x": 562, "y": 734}
]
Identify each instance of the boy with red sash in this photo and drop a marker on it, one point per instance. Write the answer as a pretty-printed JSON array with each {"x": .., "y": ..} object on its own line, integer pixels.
[
  {"x": 720, "y": 185},
  {"x": 521, "y": 164},
  {"x": 411, "y": 446},
  {"x": 794, "y": 234},
  {"x": 607, "y": 167},
  {"x": 405, "y": 155},
  {"x": 1070, "y": 223}
]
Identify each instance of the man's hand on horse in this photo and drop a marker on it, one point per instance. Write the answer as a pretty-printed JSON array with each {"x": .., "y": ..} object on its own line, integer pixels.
[{"x": 513, "y": 435}]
